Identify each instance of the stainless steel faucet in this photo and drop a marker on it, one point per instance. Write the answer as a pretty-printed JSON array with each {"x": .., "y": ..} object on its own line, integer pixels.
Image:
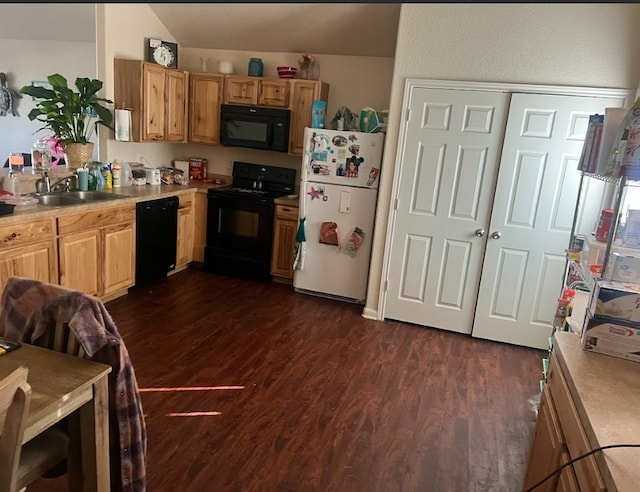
[{"x": 65, "y": 184}]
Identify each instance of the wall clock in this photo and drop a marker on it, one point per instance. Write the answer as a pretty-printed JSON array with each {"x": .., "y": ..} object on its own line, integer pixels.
[{"x": 163, "y": 53}]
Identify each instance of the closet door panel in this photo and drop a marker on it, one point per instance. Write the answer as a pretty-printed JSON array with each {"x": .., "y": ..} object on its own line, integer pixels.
[
  {"x": 532, "y": 214},
  {"x": 449, "y": 163}
]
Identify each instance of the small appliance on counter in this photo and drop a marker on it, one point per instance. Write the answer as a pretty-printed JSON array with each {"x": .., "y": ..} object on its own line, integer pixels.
[{"x": 153, "y": 176}]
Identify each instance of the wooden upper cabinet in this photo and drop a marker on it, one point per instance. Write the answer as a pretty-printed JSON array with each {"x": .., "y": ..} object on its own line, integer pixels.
[
  {"x": 205, "y": 97},
  {"x": 256, "y": 91},
  {"x": 274, "y": 92},
  {"x": 154, "y": 88},
  {"x": 157, "y": 98},
  {"x": 303, "y": 93},
  {"x": 176, "y": 106},
  {"x": 241, "y": 90}
]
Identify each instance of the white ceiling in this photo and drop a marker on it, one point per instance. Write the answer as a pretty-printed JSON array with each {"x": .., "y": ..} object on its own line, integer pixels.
[
  {"x": 49, "y": 21},
  {"x": 351, "y": 29}
]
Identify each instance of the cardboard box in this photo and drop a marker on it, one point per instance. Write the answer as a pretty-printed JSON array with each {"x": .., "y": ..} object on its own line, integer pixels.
[
  {"x": 198, "y": 169},
  {"x": 611, "y": 337},
  {"x": 623, "y": 268},
  {"x": 615, "y": 300}
]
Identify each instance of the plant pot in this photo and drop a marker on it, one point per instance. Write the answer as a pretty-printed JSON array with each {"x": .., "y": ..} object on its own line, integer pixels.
[{"x": 78, "y": 154}]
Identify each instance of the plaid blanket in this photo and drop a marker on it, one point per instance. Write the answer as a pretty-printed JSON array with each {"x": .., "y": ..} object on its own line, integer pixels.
[{"x": 30, "y": 308}]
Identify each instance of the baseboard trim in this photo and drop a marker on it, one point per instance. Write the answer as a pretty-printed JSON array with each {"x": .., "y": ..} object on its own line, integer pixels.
[{"x": 370, "y": 314}]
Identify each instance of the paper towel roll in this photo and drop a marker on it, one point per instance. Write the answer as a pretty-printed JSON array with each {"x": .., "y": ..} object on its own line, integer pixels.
[{"x": 123, "y": 125}]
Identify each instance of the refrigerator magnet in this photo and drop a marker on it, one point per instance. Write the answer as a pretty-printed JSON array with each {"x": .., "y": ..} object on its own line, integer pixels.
[
  {"x": 373, "y": 175},
  {"x": 320, "y": 169},
  {"x": 329, "y": 234},
  {"x": 353, "y": 163},
  {"x": 315, "y": 193},
  {"x": 354, "y": 242}
]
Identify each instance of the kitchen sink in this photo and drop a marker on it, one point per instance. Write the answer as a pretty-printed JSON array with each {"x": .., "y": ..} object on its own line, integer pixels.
[
  {"x": 93, "y": 196},
  {"x": 76, "y": 197}
]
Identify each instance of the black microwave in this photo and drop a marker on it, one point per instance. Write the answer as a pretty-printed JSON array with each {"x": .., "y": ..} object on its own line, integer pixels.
[{"x": 255, "y": 127}]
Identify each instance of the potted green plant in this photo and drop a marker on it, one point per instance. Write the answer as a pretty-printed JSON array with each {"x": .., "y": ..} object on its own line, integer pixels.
[{"x": 72, "y": 116}]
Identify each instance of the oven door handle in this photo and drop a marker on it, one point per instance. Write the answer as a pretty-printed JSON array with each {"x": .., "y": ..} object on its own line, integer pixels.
[{"x": 239, "y": 203}]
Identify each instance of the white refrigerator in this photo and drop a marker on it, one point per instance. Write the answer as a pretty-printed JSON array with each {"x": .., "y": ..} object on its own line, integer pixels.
[{"x": 338, "y": 194}]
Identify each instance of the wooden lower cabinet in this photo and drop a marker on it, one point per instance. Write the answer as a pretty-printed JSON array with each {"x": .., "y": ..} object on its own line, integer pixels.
[
  {"x": 184, "y": 253},
  {"x": 119, "y": 254},
  {"x": 546, "y": 455},
  {"x": 200, "y": 226},
  {"x": 37, "y": 261},
  {"x": 80, "y": 261},
  {"x": 28, "y": 250},
  {"x": 559, "y": 437},
  {"x": 97, "y": 251},
  {"x": 567, "y": 482},
  {"x": 285, "y": 226}
]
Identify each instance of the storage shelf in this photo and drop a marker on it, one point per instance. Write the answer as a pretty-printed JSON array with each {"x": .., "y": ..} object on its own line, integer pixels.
[
  {"x": 586, "y": 277},
  {"x": 613, "y": 179}
]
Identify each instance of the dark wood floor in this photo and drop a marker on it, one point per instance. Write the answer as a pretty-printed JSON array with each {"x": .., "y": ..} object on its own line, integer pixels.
[{"x": 249, "y": 386}]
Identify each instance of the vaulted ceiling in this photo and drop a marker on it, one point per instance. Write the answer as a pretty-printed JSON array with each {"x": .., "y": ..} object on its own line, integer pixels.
[
  {"x": 353, "y": 29},
  {"x": 356, "y": 29}
]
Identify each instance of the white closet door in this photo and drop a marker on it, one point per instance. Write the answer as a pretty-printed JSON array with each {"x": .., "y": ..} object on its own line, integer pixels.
[
  {"x": 532, "y": 215},
  {"x": 448, "y": 167}
]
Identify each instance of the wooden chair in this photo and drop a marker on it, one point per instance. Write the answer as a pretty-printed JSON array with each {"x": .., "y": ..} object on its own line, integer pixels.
[
  {"x": 62, "y": 339},
  {"x": 78, "y": 324},
  {"x": 22, "y": 464},
  {"x": 15, "y": 395}
]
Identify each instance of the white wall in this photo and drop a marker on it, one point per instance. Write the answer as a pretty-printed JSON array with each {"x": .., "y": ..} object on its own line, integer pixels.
[
  {"x": 560, "y": 44},
  {"x": 355, "y": 82},
  {"x": 27, "y": 60}
]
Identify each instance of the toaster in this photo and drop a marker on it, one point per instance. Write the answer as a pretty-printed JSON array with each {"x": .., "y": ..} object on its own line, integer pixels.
[{"x": 153, "y": 176}]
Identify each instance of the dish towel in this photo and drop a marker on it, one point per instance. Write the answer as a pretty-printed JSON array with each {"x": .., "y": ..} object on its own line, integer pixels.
[
  {"x": 300, "y": 250},
  {"x": 30, "y": 308}
]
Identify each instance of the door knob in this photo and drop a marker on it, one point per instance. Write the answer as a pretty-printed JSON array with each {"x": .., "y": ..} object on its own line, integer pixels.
[
  {"x": 479, "y": 232},
  {"x": 496, "y": 235}
]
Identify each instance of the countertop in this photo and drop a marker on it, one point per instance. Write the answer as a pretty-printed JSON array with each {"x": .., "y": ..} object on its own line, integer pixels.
[
  {"x": 606, "y": 392},
  {"x": 134, "y": 194},
  {"x": 289, "y": 200}
]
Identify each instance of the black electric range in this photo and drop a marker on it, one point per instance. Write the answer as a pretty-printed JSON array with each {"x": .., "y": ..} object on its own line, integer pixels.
[{"x": 240, "y": 220}]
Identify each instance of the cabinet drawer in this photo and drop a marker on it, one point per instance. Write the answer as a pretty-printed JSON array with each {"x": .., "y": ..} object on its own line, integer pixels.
[
  {"x": 21, "y": 234},
  {"x": 286, "y": 212},
  {"x": 93, "y": 220},
  {"x": 586, "y": 470}
]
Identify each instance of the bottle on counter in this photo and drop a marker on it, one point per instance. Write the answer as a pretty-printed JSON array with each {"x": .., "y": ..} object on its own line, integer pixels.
[
  {"x": 117, "y": 173},
  {"x": 108, "y": 177}
]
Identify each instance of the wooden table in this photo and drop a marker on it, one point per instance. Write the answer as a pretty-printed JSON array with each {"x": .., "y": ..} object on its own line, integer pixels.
[{"x": 62, "y": 385}]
